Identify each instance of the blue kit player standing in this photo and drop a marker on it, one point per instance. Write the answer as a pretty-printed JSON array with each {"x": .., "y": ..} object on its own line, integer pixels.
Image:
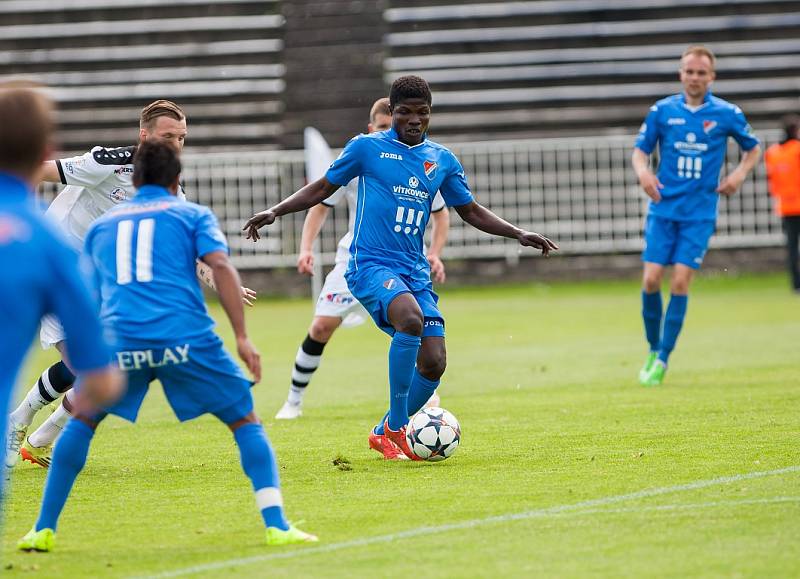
[
  {"x": 691, "y": 130},
  {"x": 40, "y": 269},
  {"x": 399, "y": 172},
  {"x": 144, "y": 254}
]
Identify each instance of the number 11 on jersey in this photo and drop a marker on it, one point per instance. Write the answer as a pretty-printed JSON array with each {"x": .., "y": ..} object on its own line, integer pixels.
[{"x": 144, "y": 251}]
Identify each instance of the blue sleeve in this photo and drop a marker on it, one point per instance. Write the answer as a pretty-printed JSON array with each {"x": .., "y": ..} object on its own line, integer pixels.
[
  {"x": 648, "y": 132},
  {"x": 455, "y": 189},
  {"x": 348, "y": 165},
  {"x": 89, "y": 271},
  {"x": 207, "y": 234},
  {"x": 741, "y": 131},
  {"x": 71, "y": 302}
]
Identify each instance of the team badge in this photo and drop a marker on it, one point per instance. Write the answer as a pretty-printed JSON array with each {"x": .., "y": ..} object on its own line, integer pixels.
[
  {"x": 390, "y": 283},
  {"x": 430, "y": 168},
  {"x": 708, "y": 126}
]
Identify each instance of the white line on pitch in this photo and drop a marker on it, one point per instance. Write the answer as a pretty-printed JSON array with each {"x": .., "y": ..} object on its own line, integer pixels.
[{"x": 537, "y": 513}]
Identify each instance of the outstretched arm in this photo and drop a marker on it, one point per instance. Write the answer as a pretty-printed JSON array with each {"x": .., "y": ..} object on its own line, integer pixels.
[
  {"x": 306, "y": 197},
  {"x": 481, "y": 218},
  {"x": 441, "y": 227},
  {"x": 735, "y": 178},
  {"x": 311, "y": 227},
  {"x": 49, "y": 172},
  {"x": 206, "y": 275},
  {"x": 228, "y": 287}
]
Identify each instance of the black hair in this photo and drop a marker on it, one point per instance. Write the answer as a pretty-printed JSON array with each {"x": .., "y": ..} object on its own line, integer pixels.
[
  {"x": 155, "y": 163},
  {"x": 409, "y": 87},
  {"x": 791, "y": 127}
]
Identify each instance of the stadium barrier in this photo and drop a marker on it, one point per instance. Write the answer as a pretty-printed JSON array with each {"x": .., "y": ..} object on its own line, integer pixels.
[{"x": 579, "y": 191}]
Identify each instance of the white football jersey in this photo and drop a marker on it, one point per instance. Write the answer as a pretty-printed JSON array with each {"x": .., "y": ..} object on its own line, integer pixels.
[
  {"x": 95, "y": 182},
  {"x": 350, "y": 192}
]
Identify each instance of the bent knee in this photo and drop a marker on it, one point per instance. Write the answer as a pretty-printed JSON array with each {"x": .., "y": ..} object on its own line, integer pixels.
[
  {"x": 250, "y": 418},
  {"x": 411, "y": 323},
  {"x": 322, "y": 328}
]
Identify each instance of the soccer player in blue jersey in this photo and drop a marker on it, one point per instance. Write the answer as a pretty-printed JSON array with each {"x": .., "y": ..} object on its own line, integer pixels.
[
  {"x": 691, "y": 130},
  {"x": 144, "y": 253},
  {"x": 40, "y": 269},
  {"x": 399, "y": 172}
]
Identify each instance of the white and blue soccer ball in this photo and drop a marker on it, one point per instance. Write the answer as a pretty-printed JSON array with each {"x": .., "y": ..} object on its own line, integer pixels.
[{"x": 433, "y": 434}]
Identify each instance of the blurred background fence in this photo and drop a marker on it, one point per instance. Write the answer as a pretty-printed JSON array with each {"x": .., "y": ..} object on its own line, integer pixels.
[{"x": 579, "y": 191}]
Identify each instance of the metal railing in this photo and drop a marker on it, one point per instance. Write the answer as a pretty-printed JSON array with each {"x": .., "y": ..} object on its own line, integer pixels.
[{"x": 581, "y": 192}]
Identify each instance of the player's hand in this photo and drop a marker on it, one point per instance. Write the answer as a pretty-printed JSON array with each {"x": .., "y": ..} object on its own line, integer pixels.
[
  {"x": 305, "y": 263},
  {"x": 731, "y": 183},
  {"x": 250, "y": 356},
  {"x": 248, "y": 296},
  {"x": 437, "y": 269},
  {"x": 531, "y": 239},
  {"x": 256, "y": 222},
  {"x": 651, "y": 185}
]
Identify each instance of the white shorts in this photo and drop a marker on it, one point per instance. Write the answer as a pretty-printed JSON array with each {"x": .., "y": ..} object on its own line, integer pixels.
[
  {"x": 51, "y": 332},
  {"x": 335, "y": 300}
]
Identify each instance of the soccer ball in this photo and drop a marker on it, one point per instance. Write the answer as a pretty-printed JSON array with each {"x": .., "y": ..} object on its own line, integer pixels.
[{"x": 433, "y": 434}]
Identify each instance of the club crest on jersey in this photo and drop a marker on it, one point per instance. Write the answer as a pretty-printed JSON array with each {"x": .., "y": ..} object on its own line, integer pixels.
[
  {"x": 119, "y": 195},
  {"x": 390, "y": 283},
  {"x": 708, "y": 126},
  {"x": 430, "y": 168}
]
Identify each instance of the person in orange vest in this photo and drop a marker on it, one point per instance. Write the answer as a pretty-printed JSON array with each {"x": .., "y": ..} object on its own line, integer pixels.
[{"x": 783, "y": 176}]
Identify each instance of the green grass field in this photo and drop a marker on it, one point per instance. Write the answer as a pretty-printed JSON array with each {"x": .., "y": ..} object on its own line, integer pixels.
[{"x": 558, "y": 441}]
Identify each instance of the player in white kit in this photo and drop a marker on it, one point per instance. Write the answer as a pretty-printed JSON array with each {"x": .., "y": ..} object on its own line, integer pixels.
[
  {"x": 95, "y": 182},
  {"x": 336, "y": 306}
]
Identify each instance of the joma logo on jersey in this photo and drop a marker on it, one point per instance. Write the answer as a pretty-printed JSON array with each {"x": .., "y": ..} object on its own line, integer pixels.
[
  {"x": 676, "y": 121},
  {"x": 393, "y": 156}
]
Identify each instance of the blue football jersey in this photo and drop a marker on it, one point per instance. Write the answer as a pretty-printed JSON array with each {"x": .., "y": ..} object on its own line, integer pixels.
[
  {"x": 692, "y": 146},
  {"x": 144, "y": 254},
  {"x": 40, "y": 276},
  {"x": 397, "y": 184}
]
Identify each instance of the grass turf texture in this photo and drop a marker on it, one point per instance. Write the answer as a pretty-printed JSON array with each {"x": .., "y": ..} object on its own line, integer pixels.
[{"x": 543, "y": 381}]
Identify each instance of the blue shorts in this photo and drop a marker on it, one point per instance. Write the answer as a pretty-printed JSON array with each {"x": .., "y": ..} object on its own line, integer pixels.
[
  {"x": 376, "y": 286},
  {"x": 667, "y": 241},
  {"x": 197, "y": 378}
]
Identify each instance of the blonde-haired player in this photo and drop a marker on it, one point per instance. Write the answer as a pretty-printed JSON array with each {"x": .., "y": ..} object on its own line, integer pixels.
[{"x": 94, "y": 183}]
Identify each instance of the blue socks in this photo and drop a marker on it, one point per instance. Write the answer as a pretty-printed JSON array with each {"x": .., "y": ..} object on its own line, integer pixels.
[
  {"x": 652, "y": 311},
  {"x": 258, "y": 463},
  {"x": 673, "y": 321},
  {"x": 419, "y": 393},
  {"x": 402, "y": 359},
  {"x": 421, "y": 390},
  {"x": 69, "y": 457}
]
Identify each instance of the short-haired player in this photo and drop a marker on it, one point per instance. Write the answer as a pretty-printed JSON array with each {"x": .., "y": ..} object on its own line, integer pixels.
[
  {"x": 94, "y": 183},
  {"x": 143, "y": 252},
  {"x": 691, "y": 131},
  {"x": 400, "y": 171},
  {"x": 336, "y": 306}
]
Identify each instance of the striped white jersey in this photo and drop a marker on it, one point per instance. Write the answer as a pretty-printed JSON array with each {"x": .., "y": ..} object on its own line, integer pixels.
[{"x": 95, "y": 182}]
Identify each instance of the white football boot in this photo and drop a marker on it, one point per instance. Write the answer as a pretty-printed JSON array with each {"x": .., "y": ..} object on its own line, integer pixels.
[{"x": 290, "y": 411}]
